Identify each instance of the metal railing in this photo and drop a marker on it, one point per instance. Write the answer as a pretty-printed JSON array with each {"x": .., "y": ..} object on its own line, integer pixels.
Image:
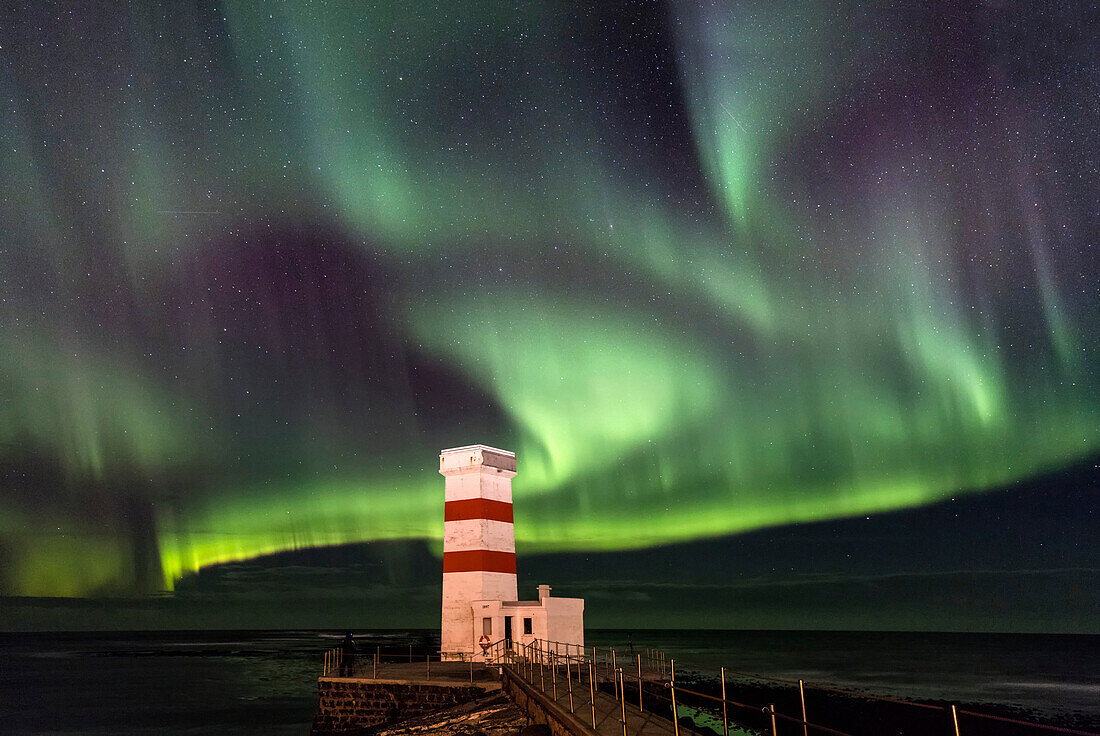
[
  {"x": 376, "y": 662},
  {"x": 641, "y": 694}
]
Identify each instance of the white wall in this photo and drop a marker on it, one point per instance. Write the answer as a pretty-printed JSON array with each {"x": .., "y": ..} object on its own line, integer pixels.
[
  {"x": 491, "y": 483},
  {"x": 467, "y": 478},
  {"x": 468, "y": 534},
  {"x": 565, "y": 622},
  {"x": 497, "y": 612},
  {"x": 557, "y": 624},
  {"x": 460, "y": 591}
]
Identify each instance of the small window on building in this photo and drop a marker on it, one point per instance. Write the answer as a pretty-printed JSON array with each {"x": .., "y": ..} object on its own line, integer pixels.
[
  {"x": 487, "y": 626},
  {"x": 526, "y": 626}
]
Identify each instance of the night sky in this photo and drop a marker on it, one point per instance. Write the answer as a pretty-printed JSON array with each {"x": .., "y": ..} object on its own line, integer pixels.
[{"x": 789, "y": 310}]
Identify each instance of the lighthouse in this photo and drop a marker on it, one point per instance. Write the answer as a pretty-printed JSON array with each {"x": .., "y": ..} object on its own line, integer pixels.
[
  {"x": 480, "y": 599},
  {"x": 479, "y": 542}
]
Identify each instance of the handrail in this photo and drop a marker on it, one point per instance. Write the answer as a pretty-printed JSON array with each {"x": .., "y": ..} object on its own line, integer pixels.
[
  {"x": 833, "y": 689},
  {"x": 769, "y": 710},
  {"x": 552, "y": 667},
  {"x": 552, "y": 709},
  {"x": 605, "y": 671}
]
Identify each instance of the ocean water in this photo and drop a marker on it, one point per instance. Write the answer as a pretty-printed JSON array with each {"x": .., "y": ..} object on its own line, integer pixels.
[
  {"x": 1055, "y": 677},
  {"x": 164, "y": 683},
  {"x": 233, "y": 683}
]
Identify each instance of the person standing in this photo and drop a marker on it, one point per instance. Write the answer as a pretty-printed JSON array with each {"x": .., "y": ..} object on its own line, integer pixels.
[{"x": 347, "y": 656}]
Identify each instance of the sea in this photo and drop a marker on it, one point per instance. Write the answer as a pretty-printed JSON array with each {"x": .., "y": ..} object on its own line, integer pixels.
[{"x": 233, "y": 683}]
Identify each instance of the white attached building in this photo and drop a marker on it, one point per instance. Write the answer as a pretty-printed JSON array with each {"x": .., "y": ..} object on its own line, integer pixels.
[{"x": 480, "y": 603}]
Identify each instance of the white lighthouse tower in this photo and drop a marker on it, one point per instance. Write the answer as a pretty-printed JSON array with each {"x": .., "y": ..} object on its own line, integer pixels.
[
  {"x": 480, "y": 603},
  {"x": 479, "y": 541}
]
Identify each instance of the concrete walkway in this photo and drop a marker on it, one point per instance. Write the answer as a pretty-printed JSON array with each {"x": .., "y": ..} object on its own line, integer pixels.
[
  {"x": 444, "y": 673},
  {"x": 552, "y": 682}
]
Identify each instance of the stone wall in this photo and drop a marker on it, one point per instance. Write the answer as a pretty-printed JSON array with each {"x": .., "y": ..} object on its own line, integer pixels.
[
  {"x": 541, "y": 710},
  {"x": 349, "y": 706}
]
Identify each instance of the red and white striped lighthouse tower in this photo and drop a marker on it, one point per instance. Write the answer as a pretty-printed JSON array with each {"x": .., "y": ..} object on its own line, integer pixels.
[{"x": 479, "y": 541}]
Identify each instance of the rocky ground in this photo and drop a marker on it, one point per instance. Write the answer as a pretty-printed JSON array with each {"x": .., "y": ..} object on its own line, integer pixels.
[{"x": 493, "y": 715}]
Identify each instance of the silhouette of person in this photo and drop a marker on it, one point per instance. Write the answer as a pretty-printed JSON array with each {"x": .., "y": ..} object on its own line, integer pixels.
[{"x": 347, "y": 656}]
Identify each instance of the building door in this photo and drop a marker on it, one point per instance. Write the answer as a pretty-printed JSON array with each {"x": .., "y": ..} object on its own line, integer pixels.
[{"x": 507, "y": 632}]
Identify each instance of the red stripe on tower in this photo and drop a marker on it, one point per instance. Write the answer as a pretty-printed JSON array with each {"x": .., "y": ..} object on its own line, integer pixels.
[
  {"x": 479, "y": 560},
  {"x": 469, "y": 509}
]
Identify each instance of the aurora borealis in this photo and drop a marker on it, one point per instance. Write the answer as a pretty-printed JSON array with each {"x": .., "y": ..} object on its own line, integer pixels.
[{"x": 709, "y": 268}]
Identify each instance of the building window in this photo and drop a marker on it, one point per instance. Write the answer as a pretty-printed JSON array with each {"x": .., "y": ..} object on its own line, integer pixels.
[
  {"x": 526, "y": 626},
  {"x": 487, "y": 626}
]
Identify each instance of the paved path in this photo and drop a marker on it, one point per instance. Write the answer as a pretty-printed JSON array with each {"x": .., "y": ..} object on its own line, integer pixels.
[{"x": 444, "y": 673}]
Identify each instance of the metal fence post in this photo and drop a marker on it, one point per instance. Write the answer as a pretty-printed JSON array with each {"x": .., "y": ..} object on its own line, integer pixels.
[
  {"x": 725, "y": 716},
  {"x": 640, "y": 708},
  {"x": 410, "y": 654},
  {"x": 569, "y": 684},
  {"x": 554, "y": 672},
  {"x": 542, "y": 672},
  {"x": 622, "y": 699},
  {"x": 955, "y": 718},
  {"x": 802, "y": 697},
  {"x": 592, "y": 691},
  {"x": 675, "y": 713},
  {"x": 771, "y": 710}
]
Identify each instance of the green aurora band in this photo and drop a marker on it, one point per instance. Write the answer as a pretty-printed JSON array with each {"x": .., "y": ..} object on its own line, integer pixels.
[{"x": 665, "y": 370}]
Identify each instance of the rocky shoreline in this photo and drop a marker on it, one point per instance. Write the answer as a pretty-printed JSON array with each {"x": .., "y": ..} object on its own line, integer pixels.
[
  {"x": 493, "y": 715},
  {"x": 855, "y": 713}
]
